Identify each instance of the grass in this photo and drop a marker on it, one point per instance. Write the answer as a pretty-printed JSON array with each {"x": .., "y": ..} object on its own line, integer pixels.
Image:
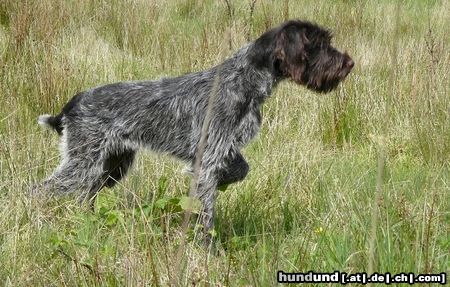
[{"x": 309, "y": 202}]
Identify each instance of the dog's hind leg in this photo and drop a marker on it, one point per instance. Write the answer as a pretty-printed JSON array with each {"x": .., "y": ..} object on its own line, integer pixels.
[
  {"x": 81, "y": 168},
  {"x": 117, "y": 165},
  {"x": 77, "y": 174}
]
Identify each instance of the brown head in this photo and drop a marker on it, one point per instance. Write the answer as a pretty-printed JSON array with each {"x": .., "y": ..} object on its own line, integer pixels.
[{"x": 302, "y": 51}]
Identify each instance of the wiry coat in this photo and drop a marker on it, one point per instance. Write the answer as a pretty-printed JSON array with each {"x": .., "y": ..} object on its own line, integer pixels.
[{"x": 102, "y": 128}]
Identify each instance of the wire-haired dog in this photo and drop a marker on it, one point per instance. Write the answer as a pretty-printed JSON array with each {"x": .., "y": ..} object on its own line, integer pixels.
[{"x": 101, "y": 129}]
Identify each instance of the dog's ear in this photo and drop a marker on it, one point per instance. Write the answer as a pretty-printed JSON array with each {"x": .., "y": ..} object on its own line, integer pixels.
[
  {"x": 289, "y": 56},
  {"x": 282, "y": 50},
  {"x": 279, "y": 55},
  {"x": 281, "y": 46}
]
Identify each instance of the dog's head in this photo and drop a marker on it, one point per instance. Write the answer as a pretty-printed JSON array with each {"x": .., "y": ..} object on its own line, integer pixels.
[{"x": 302, "y": 52}]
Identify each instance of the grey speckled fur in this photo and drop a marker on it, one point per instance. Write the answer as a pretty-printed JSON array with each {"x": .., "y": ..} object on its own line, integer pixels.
[{"x": 101, "y": 129}]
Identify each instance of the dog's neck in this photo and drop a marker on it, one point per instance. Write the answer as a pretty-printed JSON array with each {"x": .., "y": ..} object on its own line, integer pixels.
[{"x": 259, "y": 79}]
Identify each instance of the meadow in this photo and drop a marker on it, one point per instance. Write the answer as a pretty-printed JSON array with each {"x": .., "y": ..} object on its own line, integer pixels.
[{"x": 357, "y": 180}]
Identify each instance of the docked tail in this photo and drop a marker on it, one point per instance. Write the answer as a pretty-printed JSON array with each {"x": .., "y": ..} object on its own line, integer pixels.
[{"x": 53, "y": 122}]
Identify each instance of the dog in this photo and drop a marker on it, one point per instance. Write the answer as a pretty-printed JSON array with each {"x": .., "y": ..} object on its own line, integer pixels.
[{"x": 102, "y": 128}]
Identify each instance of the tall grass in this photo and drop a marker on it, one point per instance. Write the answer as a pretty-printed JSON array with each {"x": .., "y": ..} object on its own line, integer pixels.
[{"x": 308, "y": 200}]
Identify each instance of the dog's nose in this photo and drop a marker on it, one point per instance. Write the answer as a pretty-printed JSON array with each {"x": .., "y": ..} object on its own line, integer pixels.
[{"x": 350, "y": 64}]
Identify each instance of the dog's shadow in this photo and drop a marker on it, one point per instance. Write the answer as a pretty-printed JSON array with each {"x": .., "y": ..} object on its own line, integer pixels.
[{"x": 242, "y": 222}]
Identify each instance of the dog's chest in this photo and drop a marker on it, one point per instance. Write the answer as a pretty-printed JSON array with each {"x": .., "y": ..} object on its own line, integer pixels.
[{"x": 250, "y": 123}]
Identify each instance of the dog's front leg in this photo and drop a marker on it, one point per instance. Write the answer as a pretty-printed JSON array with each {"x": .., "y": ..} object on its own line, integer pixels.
[{"x": 206, "y": 193}]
